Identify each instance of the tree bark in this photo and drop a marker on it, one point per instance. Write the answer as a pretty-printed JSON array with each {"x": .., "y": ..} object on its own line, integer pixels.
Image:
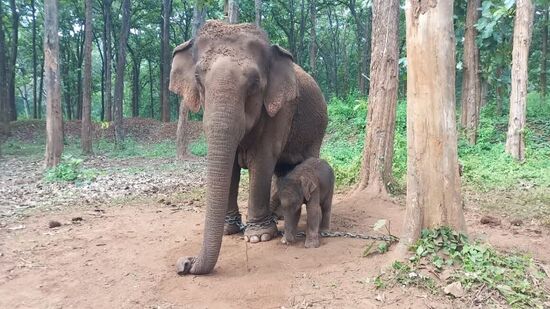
[
  {"x": 54, "y": 114},
  {"x": 365, "y": 59},
  {"x": 41, "y": 88},
  {"x": 515, "y": 140},
  {"x": 199, "y": 17},
  {"x": 4, "y": 105},
  {"x": 13, "y": 59},
  {"x": 165, "y": 61},
  {"x": 107, "y": 47},
  {"x": 86, "y": 134},
  {"x": 258, "y": 10},
  {"x": 136, "y": 86},
  {"x": 120, "y": 68},
  {"x": 231, "y": 11},
  {"x": 544, "y": 55},
  {"x": 471, "y": 87},
  {"x": 376, "y": 170},
  {"x": 151, "y": 89},
  {"x": 34, "y": 63},
  {"x": 313, "y": 43},
  {"x": 433, "y": 182}
]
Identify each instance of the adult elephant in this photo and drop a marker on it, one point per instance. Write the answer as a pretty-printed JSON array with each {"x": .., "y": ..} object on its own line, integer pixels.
[{"x": 261, "y": 112}]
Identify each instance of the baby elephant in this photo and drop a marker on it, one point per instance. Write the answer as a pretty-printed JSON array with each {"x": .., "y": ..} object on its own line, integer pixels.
[{"x": 312, "y": 183}]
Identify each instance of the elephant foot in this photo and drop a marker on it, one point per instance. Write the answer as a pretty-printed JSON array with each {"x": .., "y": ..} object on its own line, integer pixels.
[
  {"x": 288, "y": 239},
  {"x": 261, "y": 231},
  {"x": 184, "y": 265},
  {"x": 233, "y": 224},
  {"x": 312, "y": 242}
]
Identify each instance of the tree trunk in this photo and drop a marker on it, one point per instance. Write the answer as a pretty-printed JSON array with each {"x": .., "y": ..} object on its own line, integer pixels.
[
  {"x": 4, "y": 107},
  {"x": 136, "y": 88},
  {"x": 165, "y": 61},
  {"x": 231, "y": 11},
  {"x": 41, "y": 88},
  {"x": 199, "y": 17},
  {"x": 544, "y": 55},
  {"x": 258, "y": 9},
  {"x": 515, "y": 140},
  {"x": 313, "y": 43},
  {"x": 120, "y": 68},
  {"x": 471, "y": 87},
  {"x": 54, "y": 114},
  {"x": 108, "y": 56},
  {"x": 433, "y": 182},
  {"x": 86, "y": 134},
  {"x": 34, "y": 63},
  {"x": 376, "y": 170},
  {"x": 498, "y": 90},
  {"x": 13, "y": 59},
  {"x": 151, "y": 90}
]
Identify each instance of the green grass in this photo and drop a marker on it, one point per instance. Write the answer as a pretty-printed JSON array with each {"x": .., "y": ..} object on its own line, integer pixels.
[
  {"x": 199, "y": 147},
  {"x": 515, "y": 278},
  {"x": 70, "y": 170},
  {"x": 486, "y": 165}
]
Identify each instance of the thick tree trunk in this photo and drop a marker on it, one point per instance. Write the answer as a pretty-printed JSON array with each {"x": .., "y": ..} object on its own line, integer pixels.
[
  {"x": 544, "y": 55},
  {"x": 54, "y": 114},
  {"x": 120, "y": 68},
  {"x": 34, "y": 63},
  {"x": 107, "y": 47},
  {"x": 471, "y": 86},
  {"x": 86, "y": 134},
  {"x": 515, "y": 140},
  {"x": 376, "y": 170},
  {"x": 258, "y": 10},
  {"x": 4, "y": 107},
  {"x": 433, "y": 182},
  {"x": 13, "y": 59},
  {"x": 165, "y": 61},
  {"x": 313, "y": 43}
]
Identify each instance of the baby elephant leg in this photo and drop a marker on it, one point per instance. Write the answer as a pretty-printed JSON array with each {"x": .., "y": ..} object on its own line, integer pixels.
[
  {"x": 326, "y": 206},
  {"x": 314, "y": 216},
  {"x": 291, "y": 223}
]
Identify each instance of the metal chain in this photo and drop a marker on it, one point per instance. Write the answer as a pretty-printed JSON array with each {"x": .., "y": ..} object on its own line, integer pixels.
[{"x": 236, "y": 220}]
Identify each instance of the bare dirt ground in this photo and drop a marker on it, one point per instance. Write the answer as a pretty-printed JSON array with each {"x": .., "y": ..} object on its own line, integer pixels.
[{"x": 120, "y": 253}]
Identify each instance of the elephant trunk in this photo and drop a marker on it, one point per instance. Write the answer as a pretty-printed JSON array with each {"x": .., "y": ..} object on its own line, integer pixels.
[{"x": 223, "y": 133}]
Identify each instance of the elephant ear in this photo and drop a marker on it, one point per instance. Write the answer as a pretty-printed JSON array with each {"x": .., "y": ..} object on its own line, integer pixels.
[
  {"x": 281, "y": 86},
  {"x": 308, "y": 187},
  {"x": 182, "y": 76}
]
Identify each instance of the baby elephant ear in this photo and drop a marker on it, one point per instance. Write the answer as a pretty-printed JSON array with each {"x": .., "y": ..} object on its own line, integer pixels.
[
  {"x": 308, "y": 187},
  {"x": 281, "y": 86}
]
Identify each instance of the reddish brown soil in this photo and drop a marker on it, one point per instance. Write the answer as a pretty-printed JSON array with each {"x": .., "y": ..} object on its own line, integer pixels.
[{"x": 123, "y": 257}]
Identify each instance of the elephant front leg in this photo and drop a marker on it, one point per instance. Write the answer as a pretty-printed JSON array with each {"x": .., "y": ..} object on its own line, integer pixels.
[
  {"x": 261, "y": 224},
  {"x": 233, "y": 222}
]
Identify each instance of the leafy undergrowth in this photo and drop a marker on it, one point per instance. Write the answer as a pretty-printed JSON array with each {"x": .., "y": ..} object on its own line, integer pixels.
[
  {"x": 70, "y": 170},
  {"x": 448, "y": 263}
]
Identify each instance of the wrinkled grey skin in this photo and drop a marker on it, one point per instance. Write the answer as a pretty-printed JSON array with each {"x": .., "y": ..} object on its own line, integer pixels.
[
  {"x": 312, "y": 183},
  {"x": 262, "y": 112}
]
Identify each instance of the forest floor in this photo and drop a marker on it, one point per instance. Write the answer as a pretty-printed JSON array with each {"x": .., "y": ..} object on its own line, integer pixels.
[{"x": 121, "y": 232}]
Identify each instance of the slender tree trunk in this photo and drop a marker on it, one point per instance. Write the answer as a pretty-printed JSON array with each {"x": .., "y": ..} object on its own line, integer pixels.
[
  {"x": 258, "y": 9},
  {"x": 4, "y": 105},
  {"x": 120, "y": 68},
  {"x": 376, "y": 170},
  {"x": 471, "y": 86},
  {"x": 199, "y": 17},
  {"x": 151, "y": 90},
  {"x": 54, "y": 114},
  {"x": 41, "y": 89},
  {"x": 515, "y": 141},
  {"x": 107, "y": 47},
  {"x": 313, "y": 43},
  {"x": 365, "y": 62},
  {"x": 165, "y": 60},
  {"x": 13, "y": 59},
  {"x": 231, "y": 11},
  {"x": 136, "y": 89},
  {"x": 544, "y": 55},
  {"x": 498, "y": 90},
  {"x": 433, "y": 182},
  {"x": 34, "y": 63},
  {"x": 86, "y": 134}
]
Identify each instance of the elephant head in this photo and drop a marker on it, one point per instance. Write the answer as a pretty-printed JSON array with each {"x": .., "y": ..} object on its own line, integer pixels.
[{"x": 237, "y": 77}]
